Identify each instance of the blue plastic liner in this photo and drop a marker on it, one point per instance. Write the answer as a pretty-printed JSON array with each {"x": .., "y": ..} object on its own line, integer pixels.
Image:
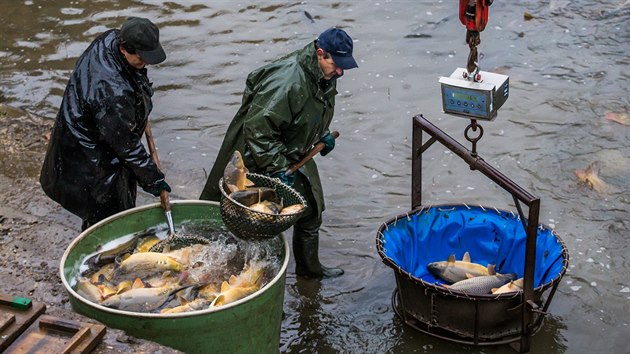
[{"x": 490, "y": 236}]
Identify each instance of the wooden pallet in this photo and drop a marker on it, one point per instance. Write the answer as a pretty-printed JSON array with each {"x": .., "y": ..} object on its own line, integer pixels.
[
  {"x": 25, "y": 329},
  {"x": 16, "y": 314}
]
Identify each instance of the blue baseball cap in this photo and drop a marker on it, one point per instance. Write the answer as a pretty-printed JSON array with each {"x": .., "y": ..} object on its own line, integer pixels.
[{"x": 338, "y": 44}]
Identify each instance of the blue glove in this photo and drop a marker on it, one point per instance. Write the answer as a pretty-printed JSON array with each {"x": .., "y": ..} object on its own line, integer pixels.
[
  {"x": 288, "y": 180},
  {"x": 329, "y": 144},
  {"x": 156, "y": 189}
]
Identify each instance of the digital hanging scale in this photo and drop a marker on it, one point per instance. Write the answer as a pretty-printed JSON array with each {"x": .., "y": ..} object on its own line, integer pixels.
[{"x": 463, "y": 97}]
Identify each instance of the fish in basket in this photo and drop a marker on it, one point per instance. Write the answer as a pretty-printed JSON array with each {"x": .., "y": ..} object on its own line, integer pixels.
[{"x": 255, "y": 206}]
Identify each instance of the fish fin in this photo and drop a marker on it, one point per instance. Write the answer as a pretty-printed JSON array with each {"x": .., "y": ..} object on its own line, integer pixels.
[
  {"x": 494, "y": 290},
  {"x": 233, "y": 188},
  {"x": 232, "y": 280},
  {"x": 466, "y": 257},
  {"x": 492, "y": 269},
  {"x": 249, "y": 183},
  {"x": 106, "y": 291},
  {"x": 183, "y": 276},
  {"x": 218, "y": 301},
  {"x": 137, "y": 284},
  {"x": 119, "y": 259},
  {"x": 469, "y": 276},
  {"x": 594, "y": 168},
  {"x": 225, "y": 286},
  {"x": 451, "y": 259},
  {"x": 182, "y": 300}
]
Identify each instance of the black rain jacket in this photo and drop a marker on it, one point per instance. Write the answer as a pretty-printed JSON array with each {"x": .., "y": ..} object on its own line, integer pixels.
[{"x": 95, "y": 156}]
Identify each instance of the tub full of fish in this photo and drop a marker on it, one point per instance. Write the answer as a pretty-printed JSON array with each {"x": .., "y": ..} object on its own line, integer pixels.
[
  {"x": 255, "y": 206},
  {"x": 459, "y": 271},
  {"x": 219, "y": 292}
]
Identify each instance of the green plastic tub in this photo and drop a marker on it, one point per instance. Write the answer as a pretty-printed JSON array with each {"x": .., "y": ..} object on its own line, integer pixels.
[{"x": 251, "y": 324}]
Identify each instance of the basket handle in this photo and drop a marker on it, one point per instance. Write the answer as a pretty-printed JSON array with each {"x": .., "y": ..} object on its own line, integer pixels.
[
  {"x": 164, "y": 200},
  {"x": 314, "y": 151}
]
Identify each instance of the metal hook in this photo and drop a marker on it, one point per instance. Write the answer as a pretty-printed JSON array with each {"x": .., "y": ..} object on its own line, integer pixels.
[{"x": 473, "y": 125}]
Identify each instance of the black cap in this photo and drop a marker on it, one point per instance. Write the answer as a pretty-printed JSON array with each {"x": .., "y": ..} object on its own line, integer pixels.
[
  {"x": 144, "y": 37},
  {"x": 338, "y": 44}
]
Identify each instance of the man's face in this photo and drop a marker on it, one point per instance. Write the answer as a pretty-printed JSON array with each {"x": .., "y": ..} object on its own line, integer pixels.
[
  {"x": 133, "y": 59},
  {"x": 328, "y": 66}
]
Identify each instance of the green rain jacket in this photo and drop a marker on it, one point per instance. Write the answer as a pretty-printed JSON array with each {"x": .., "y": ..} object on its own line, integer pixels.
[{"x": 287, "y": 108}]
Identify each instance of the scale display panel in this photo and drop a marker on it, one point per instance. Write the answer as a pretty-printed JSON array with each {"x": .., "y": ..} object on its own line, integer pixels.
[{"x": 466, "y": 102}]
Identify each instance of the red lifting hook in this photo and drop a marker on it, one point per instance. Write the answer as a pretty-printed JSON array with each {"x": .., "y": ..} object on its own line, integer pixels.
[{"x": 474, "y": 14}]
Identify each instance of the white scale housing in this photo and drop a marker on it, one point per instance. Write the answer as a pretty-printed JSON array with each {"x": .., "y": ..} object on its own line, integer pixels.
[{"x": 474, "y": 100}]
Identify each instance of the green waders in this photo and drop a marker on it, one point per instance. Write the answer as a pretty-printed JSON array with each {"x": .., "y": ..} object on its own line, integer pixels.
[{"x": 306, "y": 237}]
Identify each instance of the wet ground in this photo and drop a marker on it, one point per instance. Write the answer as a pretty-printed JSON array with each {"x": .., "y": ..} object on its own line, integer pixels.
[
  {"x": 34, "y": 232},
  {"x": 569, "y": 68}
]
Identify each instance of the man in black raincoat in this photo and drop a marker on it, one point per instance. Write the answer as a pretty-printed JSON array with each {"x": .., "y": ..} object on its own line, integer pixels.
[
  {"x": 287, "y": 107},
  {"x": 95, "y": 156}
]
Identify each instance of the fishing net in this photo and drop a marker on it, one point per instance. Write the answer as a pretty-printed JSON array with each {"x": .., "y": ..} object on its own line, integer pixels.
[
  {"x": 247, "y": 223},
  {"x": 491, "y": 236},
  {"x": 177, "y": 241}
]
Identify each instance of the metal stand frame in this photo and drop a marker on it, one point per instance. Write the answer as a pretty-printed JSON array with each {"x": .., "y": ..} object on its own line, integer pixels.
[{"x": 519, "y": 194}]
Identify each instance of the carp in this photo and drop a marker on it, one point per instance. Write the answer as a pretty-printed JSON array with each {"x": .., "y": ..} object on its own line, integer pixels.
[
  {"x": 104, "y": 274},
  {"x": 88, "y": 290},
  {"x": 621, "y": 118},
  {"x": 453, "y": 271},
  {"x": 267, "y": 206},
  {"x": 144, "y": 299},
  {"x": 253, "y": 195},
  {"x": 292, "y": 209},
  {"x": 512, "y": 286},
  {"x": 146, "y": 243},
  {"x": 106, "y": 256},
  {"x": 147, "y": 263},
  {"x": 590, "y": 176},
  {"x": 482, "y": 284},
  {"x": 194, "y": 305},
  {"x": 235, "y": 174},
  {"x": 236, "y": 288}
]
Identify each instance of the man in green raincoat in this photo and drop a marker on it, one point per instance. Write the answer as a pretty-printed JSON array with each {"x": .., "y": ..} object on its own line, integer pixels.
[{"x": 287, "y": 108}]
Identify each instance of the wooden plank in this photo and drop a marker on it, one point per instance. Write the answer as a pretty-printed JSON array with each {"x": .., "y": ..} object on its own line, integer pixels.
[
  {"x": 6, "y": 319},
  {"x": 77, "y": 339},
  {"x": 59, "y": 324},
  {"x": 54, "y": 335},
  {"x": 16, "y": 316}
]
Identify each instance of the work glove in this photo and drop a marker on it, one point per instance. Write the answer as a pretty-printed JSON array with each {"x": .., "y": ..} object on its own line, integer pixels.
[
  {"x": 288, "y": 180},
  {"x": 157, "y": 188},
  {"x": 329, "y": 144}
]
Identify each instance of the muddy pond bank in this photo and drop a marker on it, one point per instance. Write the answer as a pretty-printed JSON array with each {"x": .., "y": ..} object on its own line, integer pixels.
[{"x": 35, "y": 231}]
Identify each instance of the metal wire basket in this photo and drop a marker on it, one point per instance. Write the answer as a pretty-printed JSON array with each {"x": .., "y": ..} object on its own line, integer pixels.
[{"x": 247, "y": 223}]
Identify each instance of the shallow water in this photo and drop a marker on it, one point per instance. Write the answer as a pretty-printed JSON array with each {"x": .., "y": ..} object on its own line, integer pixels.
[{"x": 568, "y": 67}]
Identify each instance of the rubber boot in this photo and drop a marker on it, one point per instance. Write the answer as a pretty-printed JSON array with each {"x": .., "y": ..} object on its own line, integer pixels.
[{"x": 306, "y": 253}]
